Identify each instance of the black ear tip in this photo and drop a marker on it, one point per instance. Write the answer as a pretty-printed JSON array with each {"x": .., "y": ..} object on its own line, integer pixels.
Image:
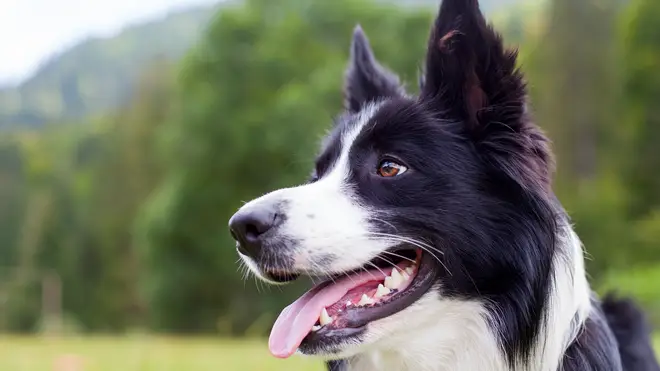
[
  {"x": 360, "y": 40},
  {"x": 461, "y": 4},
  {"x": 452, "y": 10},
  {"x": 360, "y": 48},
  {"x": 358, "y": 32}
]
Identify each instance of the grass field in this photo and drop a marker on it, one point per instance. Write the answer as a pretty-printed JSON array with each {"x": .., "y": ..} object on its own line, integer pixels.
[{"x": 144, "y": 354}]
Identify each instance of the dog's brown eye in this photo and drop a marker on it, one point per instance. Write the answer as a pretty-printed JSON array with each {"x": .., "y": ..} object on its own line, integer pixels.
[{"x": 388, "y": 169}]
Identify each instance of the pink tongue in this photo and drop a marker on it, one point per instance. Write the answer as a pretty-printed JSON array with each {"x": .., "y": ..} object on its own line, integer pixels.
[{"x": 296, "y": 320}]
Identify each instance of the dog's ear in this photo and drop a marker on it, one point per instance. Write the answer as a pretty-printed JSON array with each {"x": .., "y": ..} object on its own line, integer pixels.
[
  {"x": 467, "y": 68},
  {"x": 471, "y": 78},
  {"x": 366, "y": 80}
]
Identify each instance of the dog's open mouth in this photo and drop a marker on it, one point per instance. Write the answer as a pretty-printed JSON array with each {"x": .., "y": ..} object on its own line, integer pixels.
[{"x": 340, "y": 308}]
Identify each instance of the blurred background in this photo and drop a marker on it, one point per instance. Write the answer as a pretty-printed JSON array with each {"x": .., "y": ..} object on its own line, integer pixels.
[{"x": 131, "y": 131}]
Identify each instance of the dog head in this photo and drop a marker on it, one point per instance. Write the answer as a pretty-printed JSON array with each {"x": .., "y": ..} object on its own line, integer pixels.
[{"x": 444, "y": 196}]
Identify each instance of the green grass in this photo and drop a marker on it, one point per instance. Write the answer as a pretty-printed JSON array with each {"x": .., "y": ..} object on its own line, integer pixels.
[{"x": 144, "y": 353}]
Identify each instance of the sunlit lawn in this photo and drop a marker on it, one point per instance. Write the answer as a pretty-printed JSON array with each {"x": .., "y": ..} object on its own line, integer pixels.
[
  {"x": 142, "y": 354},
  {"x": 145, "y": 354}
]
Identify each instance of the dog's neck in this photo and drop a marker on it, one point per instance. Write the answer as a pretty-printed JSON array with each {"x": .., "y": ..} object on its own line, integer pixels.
[{"x": 459, "y": 335}]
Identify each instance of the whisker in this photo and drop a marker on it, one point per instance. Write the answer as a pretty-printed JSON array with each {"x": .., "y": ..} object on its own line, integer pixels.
[
  {"x": 256, "y": 284},
  {"x": 387, "y": 223}
]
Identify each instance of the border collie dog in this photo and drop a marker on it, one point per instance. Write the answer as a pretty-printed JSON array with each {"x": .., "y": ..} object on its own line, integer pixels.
[{"x": 433, "y": 221}]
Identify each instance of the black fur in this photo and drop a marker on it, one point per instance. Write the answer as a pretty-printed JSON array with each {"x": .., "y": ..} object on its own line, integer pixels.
[
  {"x": 632, "y": 333},
  {"x": 478, "y": 187}
]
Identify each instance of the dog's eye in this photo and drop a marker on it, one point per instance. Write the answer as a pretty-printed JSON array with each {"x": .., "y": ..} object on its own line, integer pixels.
[{"x": 388, "y": 169}]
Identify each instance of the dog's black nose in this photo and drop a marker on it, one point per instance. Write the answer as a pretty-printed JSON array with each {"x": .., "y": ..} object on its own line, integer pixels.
[{"x": 248, "y": 226}]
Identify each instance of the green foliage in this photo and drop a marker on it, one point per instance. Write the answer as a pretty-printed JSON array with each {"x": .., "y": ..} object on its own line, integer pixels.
[
  {"x": 12, "y": 200},
  {"x": 641, "y": 46},
  {"x": 640, "y": 43}
]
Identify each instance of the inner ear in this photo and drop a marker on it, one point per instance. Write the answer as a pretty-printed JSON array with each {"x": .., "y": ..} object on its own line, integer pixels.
[{"x": 366, "y": 80}]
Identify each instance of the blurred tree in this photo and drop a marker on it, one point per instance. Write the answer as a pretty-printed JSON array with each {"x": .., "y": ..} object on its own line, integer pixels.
[
  {"x": 121, "y": 179},
  {"x": 574, "y": 63},
  {"x": 14, "y": 298},
  {"x": 12, "y": 200},
  {"x": 575, "y": 91},
  {"x": 641, "y": 47},
  {"x": 640, "y": 170}
]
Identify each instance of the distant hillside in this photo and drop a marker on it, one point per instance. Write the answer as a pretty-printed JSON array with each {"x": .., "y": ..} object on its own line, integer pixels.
[{"x": 97, "y": 74}]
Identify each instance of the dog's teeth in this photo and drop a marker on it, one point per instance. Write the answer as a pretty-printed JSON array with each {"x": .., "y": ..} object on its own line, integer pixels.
[
  {"x": 394, "y": 281},
  {"x": 410, "y": 271},
  {"x": 325, "y": 319},
  {"x": 405, "y": 275},
  {"x": 348, "y": 303},
  {"x": 316, "y": 328},
  {"x": 365, "y": 300},
  {"x": 381, "y": 291}
]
